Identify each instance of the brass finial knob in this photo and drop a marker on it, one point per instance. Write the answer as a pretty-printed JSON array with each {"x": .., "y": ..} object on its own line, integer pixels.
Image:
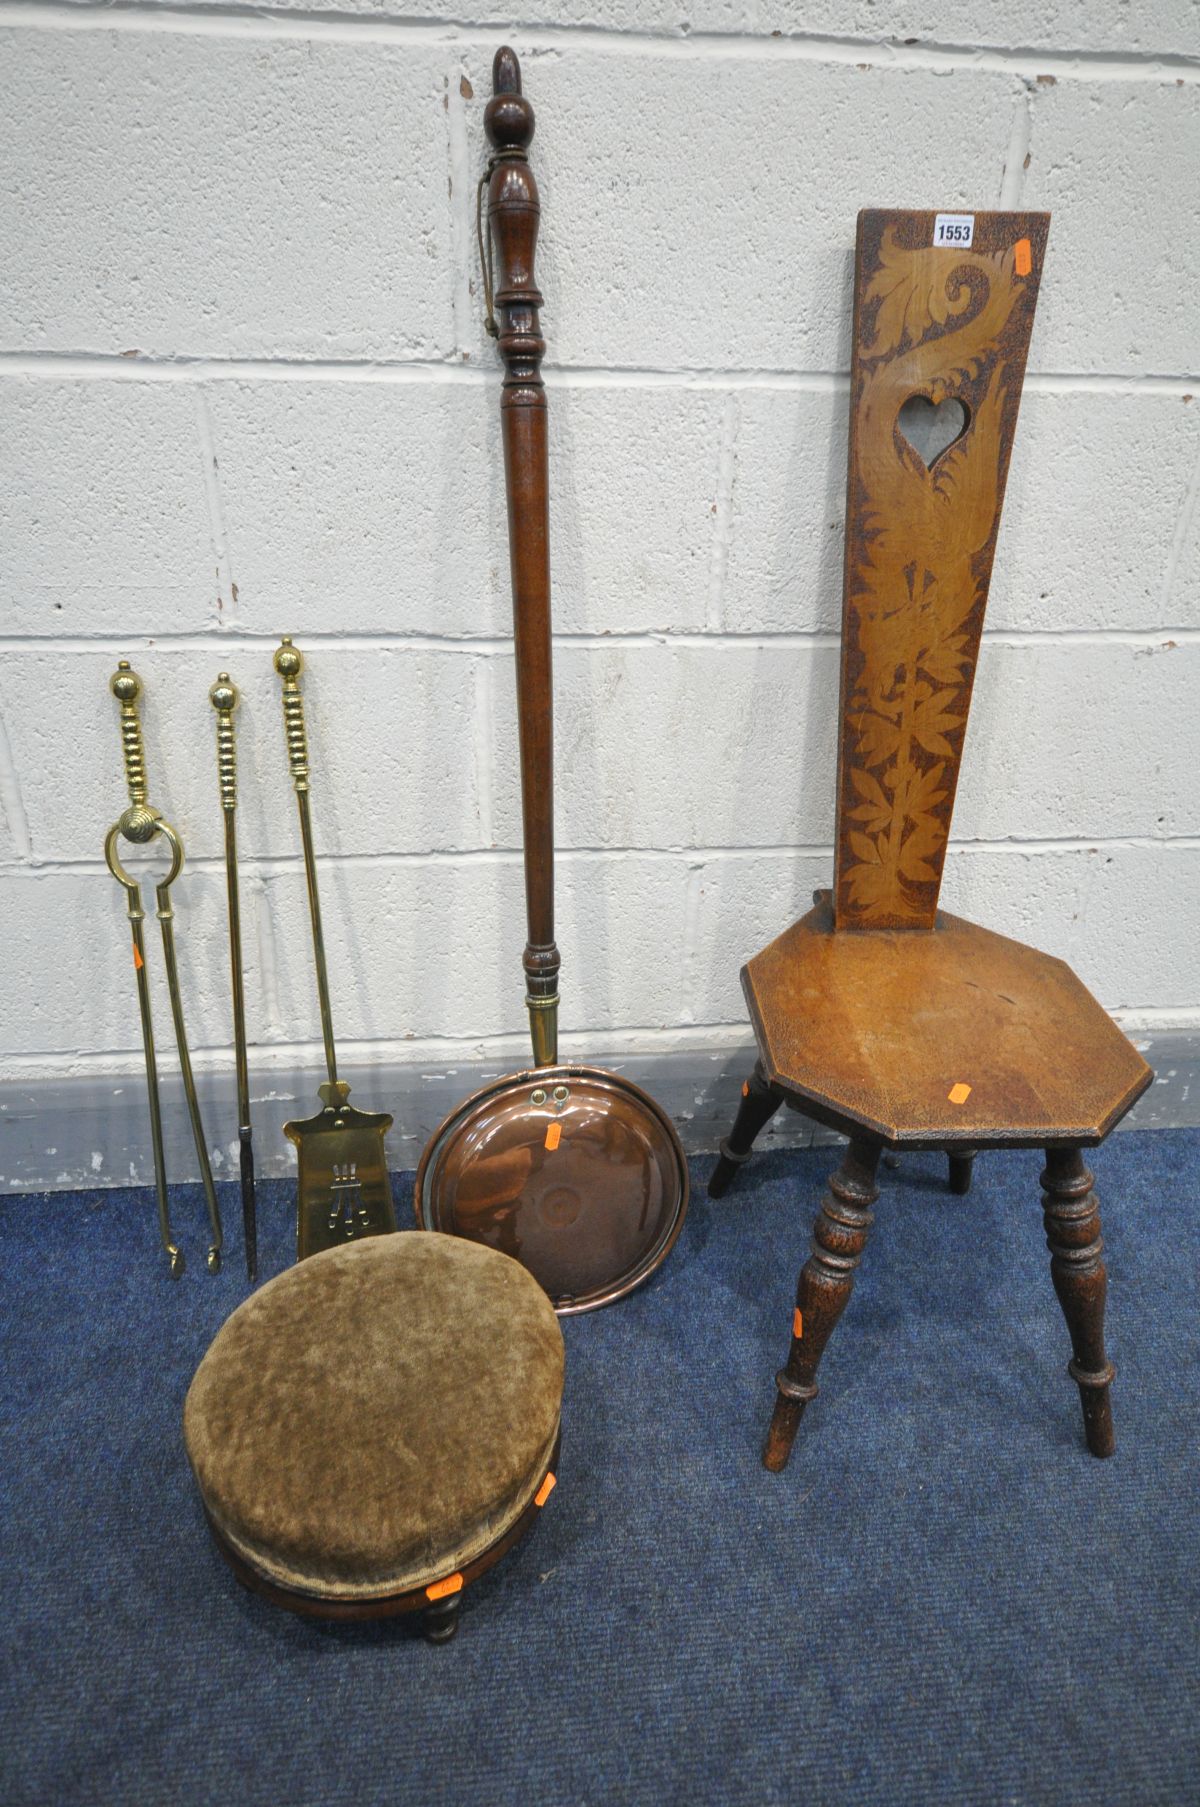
[
  {"x": 224, "y": 694},
  {"x": 125, "y": 684},
  {"x": 289, "y": 660}
]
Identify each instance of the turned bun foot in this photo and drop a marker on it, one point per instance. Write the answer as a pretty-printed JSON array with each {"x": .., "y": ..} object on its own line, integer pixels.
[
  {"x": 439, "y": 1622},
  {"x": 962, "y": 1163},
  {"x": 785, "y": 1420},
  {"x": 1097, "y": 1408},
  {"x": 727, "y": 1165}
]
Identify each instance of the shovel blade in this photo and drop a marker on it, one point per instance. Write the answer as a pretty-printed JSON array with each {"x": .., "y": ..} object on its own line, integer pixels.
[{"x": 345, "y": 1190}]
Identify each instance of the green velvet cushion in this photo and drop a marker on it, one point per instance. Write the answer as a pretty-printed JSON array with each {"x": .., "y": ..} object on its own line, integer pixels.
[{"x": 377, "y": 1416}]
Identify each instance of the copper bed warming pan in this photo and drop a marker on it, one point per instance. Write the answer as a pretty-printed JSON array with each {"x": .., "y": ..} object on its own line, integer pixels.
[{"x": 573, "y": 1171}]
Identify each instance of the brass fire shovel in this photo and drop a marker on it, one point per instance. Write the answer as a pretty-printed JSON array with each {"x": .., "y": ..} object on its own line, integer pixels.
[{"x": 345, "y": 1192}]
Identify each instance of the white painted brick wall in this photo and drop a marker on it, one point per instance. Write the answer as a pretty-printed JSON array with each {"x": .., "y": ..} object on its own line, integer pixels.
[{"x": 244, "y": 390}]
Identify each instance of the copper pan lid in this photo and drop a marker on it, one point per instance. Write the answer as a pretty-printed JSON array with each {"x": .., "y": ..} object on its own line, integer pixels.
[{"x": 572, "y": 1171}]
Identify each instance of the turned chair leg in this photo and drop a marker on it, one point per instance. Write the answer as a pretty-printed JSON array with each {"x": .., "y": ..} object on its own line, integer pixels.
[
  {"x": 1072, "y": 1217},
  {"x": 825, "y": 1284},
  {"x": 760, "y": 1101},
  {"x": 962, "y": 1161}
]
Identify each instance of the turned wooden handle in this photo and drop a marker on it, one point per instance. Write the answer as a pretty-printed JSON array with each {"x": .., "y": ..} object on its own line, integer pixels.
[{"x": 513, "y": 211}]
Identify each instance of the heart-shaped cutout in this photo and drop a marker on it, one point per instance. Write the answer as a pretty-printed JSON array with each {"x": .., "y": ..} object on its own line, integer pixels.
[{"x": 931, "y": 430}]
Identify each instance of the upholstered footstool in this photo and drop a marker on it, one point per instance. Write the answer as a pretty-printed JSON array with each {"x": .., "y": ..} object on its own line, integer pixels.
[{"x": 374, "y": 1428}]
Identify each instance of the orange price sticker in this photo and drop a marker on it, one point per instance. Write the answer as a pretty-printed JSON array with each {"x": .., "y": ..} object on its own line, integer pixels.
[
  {"x": 958, "y": 1094},
  {"x": 1022, "y": 257},
  {"x": 553, "y": 1136},
  {"x": 137, "y": 958},
  {"x": 545, "y": 1490},
  {"x": 798, "y": 1323},
  {"x": 438, "y": 1590}
]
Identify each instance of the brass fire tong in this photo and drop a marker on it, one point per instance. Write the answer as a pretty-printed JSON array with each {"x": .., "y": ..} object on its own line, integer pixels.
[
  {"x": 224, "y": 698},
  {"x": 345, "y": 1191},
  {"x": 140, "y": 824}
]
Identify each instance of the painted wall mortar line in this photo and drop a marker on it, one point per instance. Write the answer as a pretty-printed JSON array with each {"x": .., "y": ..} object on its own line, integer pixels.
[
  {"x": 260, "y": 23},
  {"x": 483, "y": 748},
  {"x": 461, "y": 181},
  {"x": 276, "y": 865},
  {"x": 234, "y": 640},
  {"x": 225, "y": 614},
  {"x": 1180, "y": 537},
  {"x": 1016, "y": 159},
  {"x": 12, "y": 804},
  {"x": 210, "y": 1057},
  {"x": 270, "y": 999},
  {"x": 722, "y": 516},
  {"x": 689, "y": 989},
  {"x": 91, "y": 366}
]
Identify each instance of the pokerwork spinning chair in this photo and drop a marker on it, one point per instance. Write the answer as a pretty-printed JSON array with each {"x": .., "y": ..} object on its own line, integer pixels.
[{"x": 876, "y": 1014}]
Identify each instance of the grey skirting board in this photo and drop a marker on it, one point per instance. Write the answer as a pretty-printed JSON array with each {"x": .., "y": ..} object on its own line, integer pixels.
[{"x": 60, "y": 1134}]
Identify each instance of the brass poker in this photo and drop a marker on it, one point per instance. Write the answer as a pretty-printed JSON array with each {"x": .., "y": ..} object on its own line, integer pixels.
[{"x": 224, "y": 698}]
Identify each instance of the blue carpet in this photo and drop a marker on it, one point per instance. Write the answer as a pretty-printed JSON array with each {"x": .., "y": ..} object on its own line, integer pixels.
[{"x": 943, "y": 1600}]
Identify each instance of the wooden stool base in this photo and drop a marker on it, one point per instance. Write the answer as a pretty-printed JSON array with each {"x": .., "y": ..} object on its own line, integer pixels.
[
  {"x": 438, "y": 1616},
  {"x": 1072, "y": 1220}
]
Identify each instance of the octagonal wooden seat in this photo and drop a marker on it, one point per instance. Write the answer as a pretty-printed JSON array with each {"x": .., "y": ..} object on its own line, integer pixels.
[
  {"x": 875, "y": 1013},
  {"x": 957, "y": 1037}
]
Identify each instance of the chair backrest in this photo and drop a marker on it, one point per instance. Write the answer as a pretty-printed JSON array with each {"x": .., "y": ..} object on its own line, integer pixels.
[{"x": 943, "y": 309}]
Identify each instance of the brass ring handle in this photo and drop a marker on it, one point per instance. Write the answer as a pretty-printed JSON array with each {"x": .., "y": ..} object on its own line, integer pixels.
[{"x": 161, "y": 827}]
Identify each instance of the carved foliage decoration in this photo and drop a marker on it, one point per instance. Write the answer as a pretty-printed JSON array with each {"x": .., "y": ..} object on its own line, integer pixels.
[{"x": 943, "y": 325}]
